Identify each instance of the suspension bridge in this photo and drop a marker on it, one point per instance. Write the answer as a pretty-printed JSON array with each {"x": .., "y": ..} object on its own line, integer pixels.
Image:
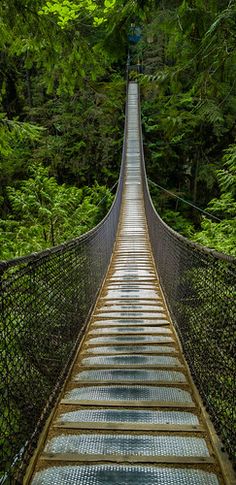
[{"x": 98, "y": 339}]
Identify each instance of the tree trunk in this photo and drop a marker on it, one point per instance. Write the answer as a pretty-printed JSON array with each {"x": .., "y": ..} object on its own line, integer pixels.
[
  {"x": 29, "y": 92},
  {"x": 45, "y": 235},
  {"x": 52, "y": 233}
]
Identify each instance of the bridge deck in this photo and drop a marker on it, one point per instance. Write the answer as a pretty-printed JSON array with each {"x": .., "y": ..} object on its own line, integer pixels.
[{"x": 128, "y": 413}]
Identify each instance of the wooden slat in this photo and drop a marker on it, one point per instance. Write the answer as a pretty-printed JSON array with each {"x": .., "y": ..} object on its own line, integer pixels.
[
  {"x": 177, "y": 367},
  {"x": 96, "y": 324},
  {"x": 170, "y": 353},
  {"x": 131, "y": 404},
  {"x": 169, "y": 428},
  {"x": 121, "y": 344},
  {"x": 133, "y": 382},
  {"x": 78, "y": 458}
]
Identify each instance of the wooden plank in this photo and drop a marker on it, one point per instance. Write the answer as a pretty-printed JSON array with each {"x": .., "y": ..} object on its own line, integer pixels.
[
  {"x": 170, "y": 353},
  {"x": 133, "y": 266},
  {"x": 135, "y": 285},
  {"x": 78, "y": 458},
  {"x": 87, "y": 344},
  {"x": 131, "y": 317},
  {"x": 130, "y": 404},
  {"x": 96, "y": 325},
  {"x": 161, "y": 313},
  {"x": 133, "y": 382},
  {"x": 168, "y": 428},
  {"x": 129, "y": 366},
  {"x": 142, "y": 300},
  {"x": 135, "y": 280}
]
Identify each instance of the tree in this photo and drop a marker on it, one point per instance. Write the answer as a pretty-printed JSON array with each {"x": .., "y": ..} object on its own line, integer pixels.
[
  {"x": 61, "y": 107},
  {"x": 222, "y": 235},
  {"x": 190, "y": 100},
  {"x": 45, "y": 213}
]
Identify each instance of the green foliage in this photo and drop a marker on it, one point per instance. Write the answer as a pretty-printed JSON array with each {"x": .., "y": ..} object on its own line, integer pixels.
[
  {"x": 17, "y": 139},
  {"x": 227, "y": 176},
  {"x": 179, "y": 223},
  {"x": 61, "y": 58},
  {"x": 67, "y": 11},
  {"x": 45, "y": 213},
  {"x": 13, "y": 132},
  {"x": 61, "y": 105},
  {"x": 84, "y": 134},
  {"x": 222, "y": 235},
  {"x": 189, "y": 109},
  {"x": 218, "y": 235},
  {"x": 173, "y": 217}
]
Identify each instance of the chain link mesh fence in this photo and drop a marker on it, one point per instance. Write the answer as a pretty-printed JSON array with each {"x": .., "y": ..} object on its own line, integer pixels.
[{"x": 200, "y": 288}]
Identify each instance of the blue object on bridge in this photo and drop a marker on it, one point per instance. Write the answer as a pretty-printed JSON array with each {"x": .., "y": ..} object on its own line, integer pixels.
[{"x": 134, "y": 34}]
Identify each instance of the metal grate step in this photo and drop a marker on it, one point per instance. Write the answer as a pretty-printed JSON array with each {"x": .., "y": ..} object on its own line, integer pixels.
[
  {"x": 130, "y": 375},
  {"x": 129, "y": 393},
  {"x": 131, "y": 416},
  {"x": 142, "y": 360},
  {"x": 125, "y": 314},
  {"x": 137, "y": 445},
  {"x": 126, "y": 339},
  {"x": 131, "y": 329},
  {"x": 123, "y": 475},
  {"x": 129, "y": 322},
  {"x": 133, "y": 307},
  {"x": 131, "y": 349}
]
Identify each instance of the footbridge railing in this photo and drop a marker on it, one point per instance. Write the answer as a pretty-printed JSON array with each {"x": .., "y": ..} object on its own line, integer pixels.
[
  {"x": 200, "y": 288},
  {"x": 46, "y": 299}
]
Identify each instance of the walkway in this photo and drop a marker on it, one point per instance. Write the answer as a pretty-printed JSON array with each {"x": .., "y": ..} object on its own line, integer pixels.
[{"x": 129, "y": 413}]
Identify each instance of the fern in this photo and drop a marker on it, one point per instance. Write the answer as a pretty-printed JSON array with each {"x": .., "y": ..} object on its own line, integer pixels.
[
  {"x": 227, "y": 175},
  {"x": 210, "y": 112}
]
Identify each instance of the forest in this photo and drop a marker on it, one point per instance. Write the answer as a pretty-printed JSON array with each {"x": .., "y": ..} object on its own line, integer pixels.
[{"x": 62, "y": 97}]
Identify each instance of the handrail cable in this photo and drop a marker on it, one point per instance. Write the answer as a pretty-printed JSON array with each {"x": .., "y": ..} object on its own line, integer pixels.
[{"x": 185, "y": 201}]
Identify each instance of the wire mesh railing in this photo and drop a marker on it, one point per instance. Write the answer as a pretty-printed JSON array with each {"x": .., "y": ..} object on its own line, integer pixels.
[
  {"x": 200, "y": 288},
  {"x": 46, "y": 299}
]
